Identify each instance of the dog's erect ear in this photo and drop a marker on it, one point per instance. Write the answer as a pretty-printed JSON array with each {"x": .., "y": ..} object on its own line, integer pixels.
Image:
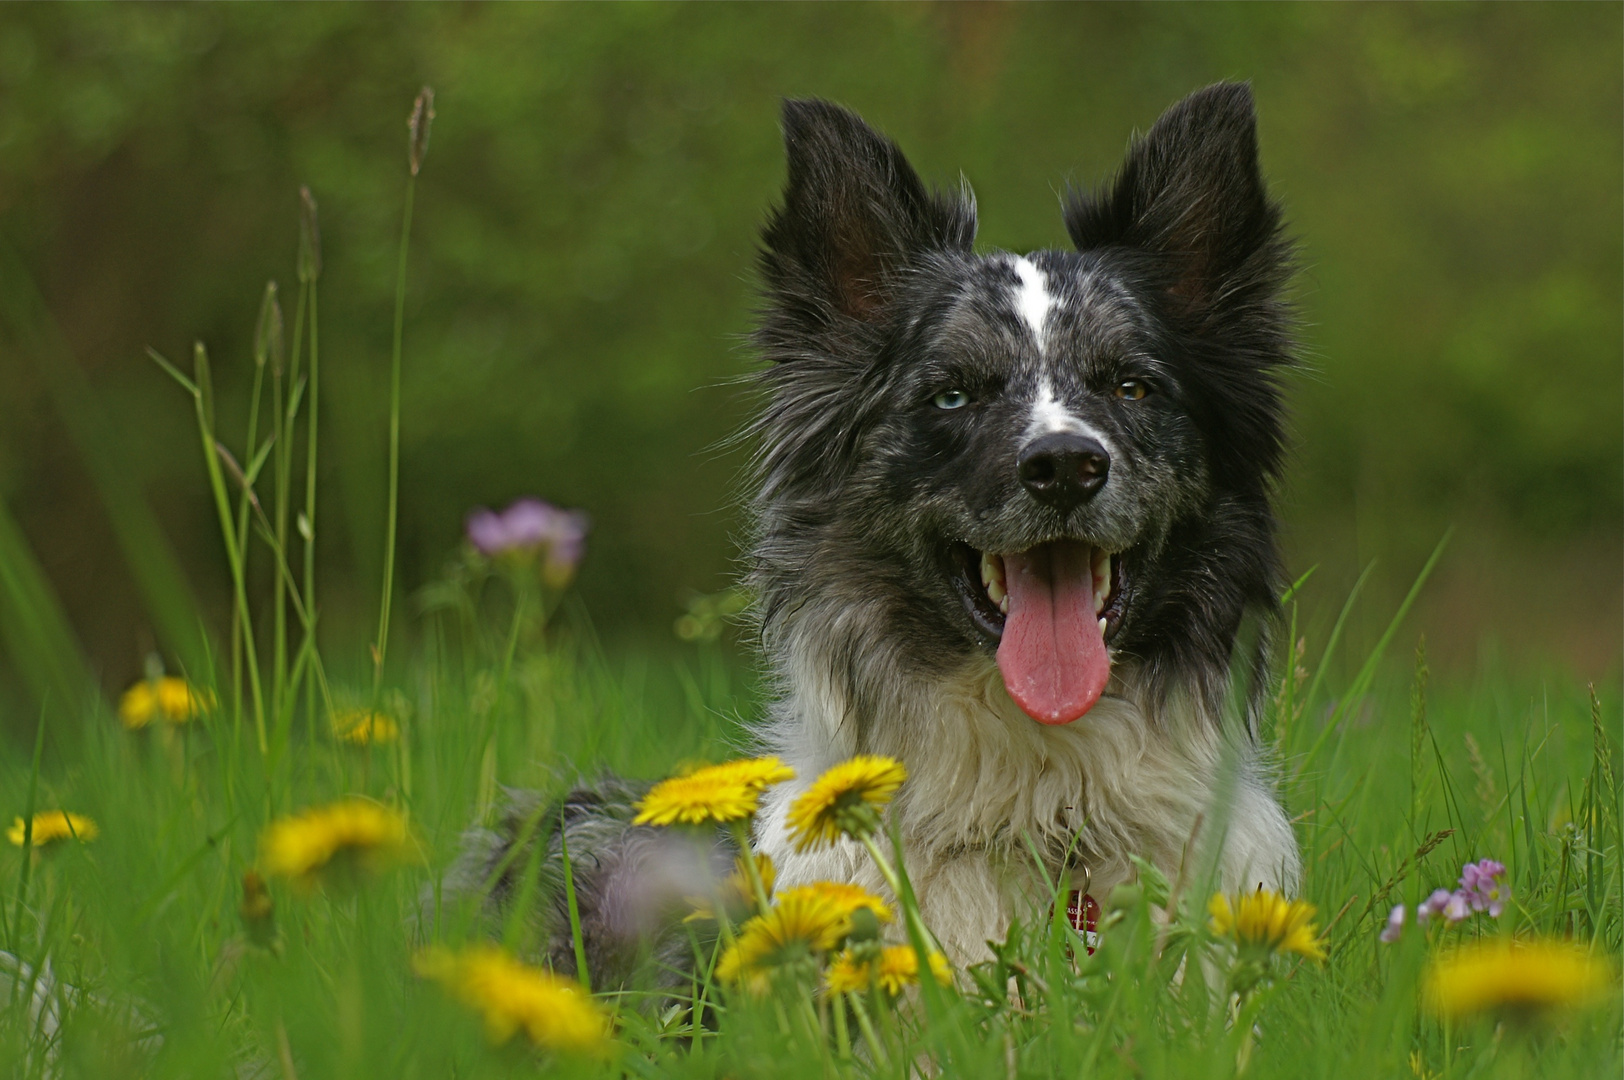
[
  {"x": 1191, "y": 190},
  {"x": 854, "y": 214}
]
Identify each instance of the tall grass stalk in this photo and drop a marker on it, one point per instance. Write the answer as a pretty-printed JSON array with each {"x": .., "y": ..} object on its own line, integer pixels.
[
  {"x": 203, "y": 406},
  {"x": 267, "y": 336},
  {"x": 285, "y": 690},
  {"x": 309, "y": 269},
  {"x": 418, "y": 125},
  {"x": 1418, "y": 734}
]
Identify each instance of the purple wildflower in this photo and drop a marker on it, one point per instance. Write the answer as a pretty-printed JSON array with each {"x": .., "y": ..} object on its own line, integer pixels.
[
  {"x": 529, "y": 526},
  {"x": 1457, "y": 908},
  {"x": 1433, "y": 905},
  {"x": 1483, "y": 887},
  {"x": 1395, "y": 924}
]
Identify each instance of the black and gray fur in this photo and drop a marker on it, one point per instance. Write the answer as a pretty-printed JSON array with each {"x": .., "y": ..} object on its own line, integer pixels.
[
  {"x": 907, "y": 375},
  {"x": 634, "y": 884}
]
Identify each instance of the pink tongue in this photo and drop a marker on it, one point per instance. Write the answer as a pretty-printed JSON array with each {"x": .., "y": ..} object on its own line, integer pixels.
[{"x": 1053, "y": 653}]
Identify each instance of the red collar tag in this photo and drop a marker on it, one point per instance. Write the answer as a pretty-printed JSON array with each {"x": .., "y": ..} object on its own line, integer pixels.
[{"x": 1083, "y": 913}]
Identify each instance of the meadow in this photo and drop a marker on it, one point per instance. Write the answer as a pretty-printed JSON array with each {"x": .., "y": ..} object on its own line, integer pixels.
[
  {"x": 163, "y": 932},
  {"x": 141, "y": 954}
]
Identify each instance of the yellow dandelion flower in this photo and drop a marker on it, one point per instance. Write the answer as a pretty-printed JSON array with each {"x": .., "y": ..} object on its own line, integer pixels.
[
  {"x": 180, "y": 701},
  {"x": 1267, "y": 922},
  {"x": 554, "y": 1012},
  {"x": 848, "y": 974},
  {"x": 893, "y": 969},
  {"x": 353, "y": 833},
  {"x": 172, "y": 698},
  {"x": 899, "y": 967},
  {"x": 52, "y": 825},
  {"x": 846, "y": 799},
  {"x": 138, "y": 705},
  {"x": 717, "y": 793},
  {"x": 359, "y": 727},
  {"x": 1521, "y": 978},
  {"x": 737, "y": 892},
  {"x": 796, "y": 927},
  {"x": 845, "y": 898},
  {"x": 759, "y": 773}
]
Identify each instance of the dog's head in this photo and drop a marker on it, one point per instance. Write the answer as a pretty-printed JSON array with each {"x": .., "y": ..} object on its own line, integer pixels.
[{"x": 1062, "y": 458}]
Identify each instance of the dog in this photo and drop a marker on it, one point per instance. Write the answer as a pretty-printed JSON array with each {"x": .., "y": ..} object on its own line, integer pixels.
[{"x": 1010, "y": 514}]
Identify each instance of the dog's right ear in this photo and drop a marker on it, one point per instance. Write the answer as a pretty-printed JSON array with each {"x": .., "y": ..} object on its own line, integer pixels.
[
  {"x": 854, "y": 215},
  {"x": 1191, "y": 192}
]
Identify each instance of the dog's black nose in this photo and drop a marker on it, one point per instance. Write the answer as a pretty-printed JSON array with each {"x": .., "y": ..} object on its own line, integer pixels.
[{"x": 1063, "y": 470}]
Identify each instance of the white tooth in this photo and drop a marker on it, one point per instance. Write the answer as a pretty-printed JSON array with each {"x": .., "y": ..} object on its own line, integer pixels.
[
  {"x": 1102, "y": 626},
  {"x": 1102, "y": 582},
  {"x": 1003, "y": 606},
  {"x": 992, "y": 577}
]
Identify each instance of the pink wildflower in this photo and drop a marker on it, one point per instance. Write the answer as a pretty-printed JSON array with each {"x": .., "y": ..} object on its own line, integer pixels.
[
  {"x": 1483, "y": 887},
  {"x": 1395, "y": 924},
  {"x": 529, "y": 526},
  {"x": 1436, "y": 904}
]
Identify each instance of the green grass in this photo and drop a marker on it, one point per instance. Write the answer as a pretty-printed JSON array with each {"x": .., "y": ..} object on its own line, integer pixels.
[
  {"x": 128, "y": 956},
  {"x": 143, "y": 922}
]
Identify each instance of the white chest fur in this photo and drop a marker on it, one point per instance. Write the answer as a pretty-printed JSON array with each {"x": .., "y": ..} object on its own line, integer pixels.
[{"x": 988, "y": 786}]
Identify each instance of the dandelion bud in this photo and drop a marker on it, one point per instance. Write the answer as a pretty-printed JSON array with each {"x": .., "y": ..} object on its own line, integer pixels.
[
  {"x": 421, "y": 120},
  {"x": 865, "y": 925},
  {"x": 309, "y": 237},
  {"x": 268, "y": 335}
]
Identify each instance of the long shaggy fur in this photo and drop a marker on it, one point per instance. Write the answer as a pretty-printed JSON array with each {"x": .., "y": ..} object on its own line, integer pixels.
[
  {"x": 872, "y": 500},
  {"x": 872, "y": 286}
]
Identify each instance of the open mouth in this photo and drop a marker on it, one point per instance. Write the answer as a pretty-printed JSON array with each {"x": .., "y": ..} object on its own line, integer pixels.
[{"x": 1050, "y": 609}]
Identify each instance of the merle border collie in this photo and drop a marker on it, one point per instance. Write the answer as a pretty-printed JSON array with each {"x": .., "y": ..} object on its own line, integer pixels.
[{"x": 1010, "y": 513}]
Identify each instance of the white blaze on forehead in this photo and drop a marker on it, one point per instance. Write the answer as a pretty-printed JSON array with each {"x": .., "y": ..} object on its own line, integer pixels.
[
  {"x": 1050, "y": 415},
  {"x": 1032, "y": 297}
]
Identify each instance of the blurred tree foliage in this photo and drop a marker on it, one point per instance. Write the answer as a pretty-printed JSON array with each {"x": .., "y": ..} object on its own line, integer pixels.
[{"x": 581, "y": 284}]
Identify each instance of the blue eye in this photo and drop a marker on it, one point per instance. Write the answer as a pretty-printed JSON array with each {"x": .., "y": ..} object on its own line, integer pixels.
[{"x": 951, "y": 399}]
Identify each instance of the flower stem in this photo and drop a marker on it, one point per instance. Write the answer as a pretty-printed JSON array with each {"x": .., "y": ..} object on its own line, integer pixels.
[
  {"x": 741, "y": 833},
  {"x": 910, "y": 910},
  {"x": 867, "y": 1028},
  {"x": 842, "y": 1031}
]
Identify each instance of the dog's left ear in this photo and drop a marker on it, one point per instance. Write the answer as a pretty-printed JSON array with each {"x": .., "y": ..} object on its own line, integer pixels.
[
  {"x": 855, "y": 215},
  {"x": 1191, "y": 192}
]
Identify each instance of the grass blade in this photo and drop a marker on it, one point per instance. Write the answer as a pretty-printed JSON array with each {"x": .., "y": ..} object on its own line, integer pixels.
[
  {"x": 36, "y": 631},
  {"x": 1367, "y": 672},
  {"x": 95, "y": 432},
  {"x": 29, "y": 809},
  {"x": 581, "y": 974},
  {"x": 222, "y": 503}
]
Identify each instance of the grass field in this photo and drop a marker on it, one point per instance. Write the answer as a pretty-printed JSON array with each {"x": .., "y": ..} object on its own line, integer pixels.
[
  {"x": 146, "y": 968},
  {"x": 150, "y": 949}
]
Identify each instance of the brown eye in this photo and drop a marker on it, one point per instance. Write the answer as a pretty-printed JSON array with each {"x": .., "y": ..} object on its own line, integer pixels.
[{"x": 1131, "y": 390}]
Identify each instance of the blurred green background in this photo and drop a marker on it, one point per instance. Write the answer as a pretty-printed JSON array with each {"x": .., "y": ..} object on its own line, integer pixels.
[{"x": 582, "y": 263}]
